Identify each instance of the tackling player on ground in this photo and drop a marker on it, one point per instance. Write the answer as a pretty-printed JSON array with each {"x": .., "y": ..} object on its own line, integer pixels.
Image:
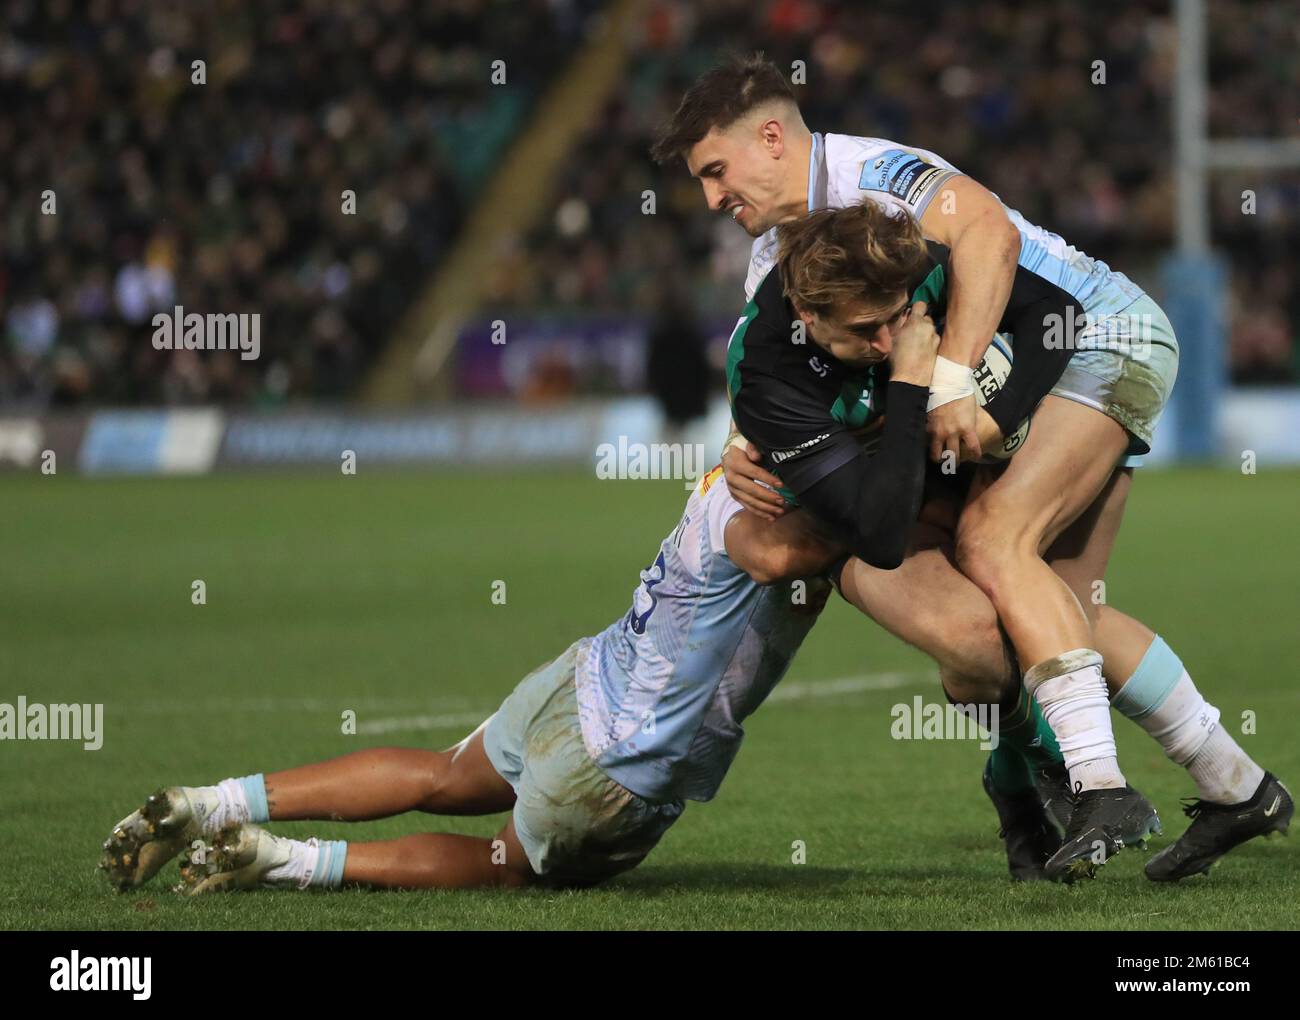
[{"x": 595, "y": 753}]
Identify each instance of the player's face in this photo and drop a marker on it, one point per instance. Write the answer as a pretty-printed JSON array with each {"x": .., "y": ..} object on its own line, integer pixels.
[
  {"x": 740, "y": 176},
  {"x": 859, "y": 333}
]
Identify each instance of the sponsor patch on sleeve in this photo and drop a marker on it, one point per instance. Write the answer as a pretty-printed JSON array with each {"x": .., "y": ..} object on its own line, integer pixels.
[
  {"x": 780, "y": 456},
  {"x": 905, "y": 175}
]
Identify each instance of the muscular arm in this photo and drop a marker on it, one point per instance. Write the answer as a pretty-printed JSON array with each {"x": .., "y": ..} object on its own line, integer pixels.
[
  {"x": 985, "y": 246},
  {"x": 783, "y": 550}
]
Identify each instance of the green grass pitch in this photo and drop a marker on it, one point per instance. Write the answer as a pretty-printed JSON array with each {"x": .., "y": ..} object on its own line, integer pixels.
[{"x": 373, "y": 593}]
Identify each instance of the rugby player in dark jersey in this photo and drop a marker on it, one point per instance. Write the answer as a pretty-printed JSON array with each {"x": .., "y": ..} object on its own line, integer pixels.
[{"x": 813, "y": 368}]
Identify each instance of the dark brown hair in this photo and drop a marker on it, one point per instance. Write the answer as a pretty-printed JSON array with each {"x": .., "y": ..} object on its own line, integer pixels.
[
  {"x": 862, "y": 251},
  {"x": 719, "y": 98}
]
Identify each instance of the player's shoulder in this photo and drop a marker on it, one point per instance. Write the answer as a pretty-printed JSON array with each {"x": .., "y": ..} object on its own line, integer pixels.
[
  {"x": 717, "y": 506},
  {"x": 762, "y": 257},
  {"x": 882, "y": 169},
  {"x": 700, "y": 536},
  {"x": 842, "y": 151}
]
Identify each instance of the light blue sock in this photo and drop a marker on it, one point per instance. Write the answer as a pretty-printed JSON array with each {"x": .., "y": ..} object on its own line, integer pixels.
[
  {"x": 1162, "y": 699},
  {"x": 1151, "y": 683},
  {"x": 329, "y": 868},
  {"x": 255, "y": 794}
]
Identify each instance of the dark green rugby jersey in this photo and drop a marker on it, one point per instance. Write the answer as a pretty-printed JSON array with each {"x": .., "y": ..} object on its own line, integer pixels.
[{"x": 810, "y": 413}]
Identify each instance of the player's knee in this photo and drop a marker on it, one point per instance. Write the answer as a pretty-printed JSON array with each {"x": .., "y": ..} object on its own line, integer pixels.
[
  {"x": 439, "y": 785},
  {"x": 970, "y": 689},
  {"x": 985, "y": 552},
  {"x": 977, "y": 664}
]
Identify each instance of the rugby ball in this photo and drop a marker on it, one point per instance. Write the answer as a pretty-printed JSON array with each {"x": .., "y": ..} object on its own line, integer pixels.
[{"x": 990, "y": 374}]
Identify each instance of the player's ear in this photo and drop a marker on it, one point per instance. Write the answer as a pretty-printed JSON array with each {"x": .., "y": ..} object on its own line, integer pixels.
[{"x": 771, "y": 133}]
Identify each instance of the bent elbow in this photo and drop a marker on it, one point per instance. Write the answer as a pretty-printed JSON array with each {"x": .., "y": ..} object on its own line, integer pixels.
[
  {"x": 890, "y": 561},
  {"x": 767, "y": 568},
  {"x": 1012, "y": 240},
  {"x": 761, "y": 575},
  {"x": 882, "y": 555}
]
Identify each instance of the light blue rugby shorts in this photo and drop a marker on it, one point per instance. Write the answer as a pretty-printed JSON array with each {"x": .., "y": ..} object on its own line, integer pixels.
[
  {"x": 1125, "y": 368},
  {"x": 577, "y": 826}
]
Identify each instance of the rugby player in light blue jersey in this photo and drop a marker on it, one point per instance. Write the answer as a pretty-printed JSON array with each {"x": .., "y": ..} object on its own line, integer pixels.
[
  {"x": 1036, "y": 536},
  {"x": 595, "y": 753}
]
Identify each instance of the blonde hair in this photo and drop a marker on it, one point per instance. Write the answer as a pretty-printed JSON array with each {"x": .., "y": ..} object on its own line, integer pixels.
[{"x": 862, "y": 251}]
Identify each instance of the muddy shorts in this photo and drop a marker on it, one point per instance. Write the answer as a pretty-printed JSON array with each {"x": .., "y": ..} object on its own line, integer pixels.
[
  {"x": 1125, "y": 368},
  {"x": 577, "y": 825}
]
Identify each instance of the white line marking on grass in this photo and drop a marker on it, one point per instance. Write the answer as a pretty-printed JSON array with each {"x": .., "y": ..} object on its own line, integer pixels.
[
  {"x": 858, "y": 684},
  {"x": 154, "y": 706},
  {"x": 422, "y": 722},
  {"x": 804, "y": 691},
  {"x": 453, "y": 720}
]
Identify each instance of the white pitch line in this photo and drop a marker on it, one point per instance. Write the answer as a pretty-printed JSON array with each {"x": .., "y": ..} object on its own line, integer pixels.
[
  {"x": 154, "y": 706},
  {"x": 848, "y": 685},
  {"x": 398, "y": 723},
  {"x": 790, "y": 691},
  {"x": 804, "y": 691}
]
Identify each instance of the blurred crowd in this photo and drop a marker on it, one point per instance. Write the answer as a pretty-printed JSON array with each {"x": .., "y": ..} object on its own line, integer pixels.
[
  {"x": 229, "y": 196},
  {"x": 1002, "y": 89},
  {"x": 129, "y": 188}
]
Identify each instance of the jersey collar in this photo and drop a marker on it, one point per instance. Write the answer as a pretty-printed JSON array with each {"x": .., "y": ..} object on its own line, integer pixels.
[{"x": 817, "y": 173}]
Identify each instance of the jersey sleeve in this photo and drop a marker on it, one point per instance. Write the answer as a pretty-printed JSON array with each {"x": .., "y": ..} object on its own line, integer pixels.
[
  {"x": 800, "y": 440},
  {"x": 719, "y": 507},
  {"x": 870, "y": 503},
  {"x": 1034, "y": 309},
  {"x": 762, "y": 257},
  {"x": 904, "y": 180}
]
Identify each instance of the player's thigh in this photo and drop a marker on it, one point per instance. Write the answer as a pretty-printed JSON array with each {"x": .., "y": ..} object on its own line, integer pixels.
[
  {"x": 1064, "y": 465},
  {"x": 469, "y": 780},
  {"x": 509, "y": 853},
  {"x": 931, "y": 605},
  {"x": 1081, "y": 553}
]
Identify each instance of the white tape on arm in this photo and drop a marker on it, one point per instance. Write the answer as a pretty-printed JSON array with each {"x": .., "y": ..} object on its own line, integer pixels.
[
  {"x": 950, "y": 382},
  {"x": 736, "y": 440}
]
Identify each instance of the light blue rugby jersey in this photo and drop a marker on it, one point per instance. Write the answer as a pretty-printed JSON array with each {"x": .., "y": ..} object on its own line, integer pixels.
[
  {"x": 845, "y": 170},
  {"x": 662, "y": 692}
]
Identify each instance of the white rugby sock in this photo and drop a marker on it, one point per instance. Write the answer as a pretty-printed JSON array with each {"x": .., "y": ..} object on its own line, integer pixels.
[
  {"x": 230, "y": 802},
  {"x": 1072, "y": 694},
  {"x": 314, "y": 862},
  {"x": 1161, "y": 698},
  {"x": 1222, "y": 771}
]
